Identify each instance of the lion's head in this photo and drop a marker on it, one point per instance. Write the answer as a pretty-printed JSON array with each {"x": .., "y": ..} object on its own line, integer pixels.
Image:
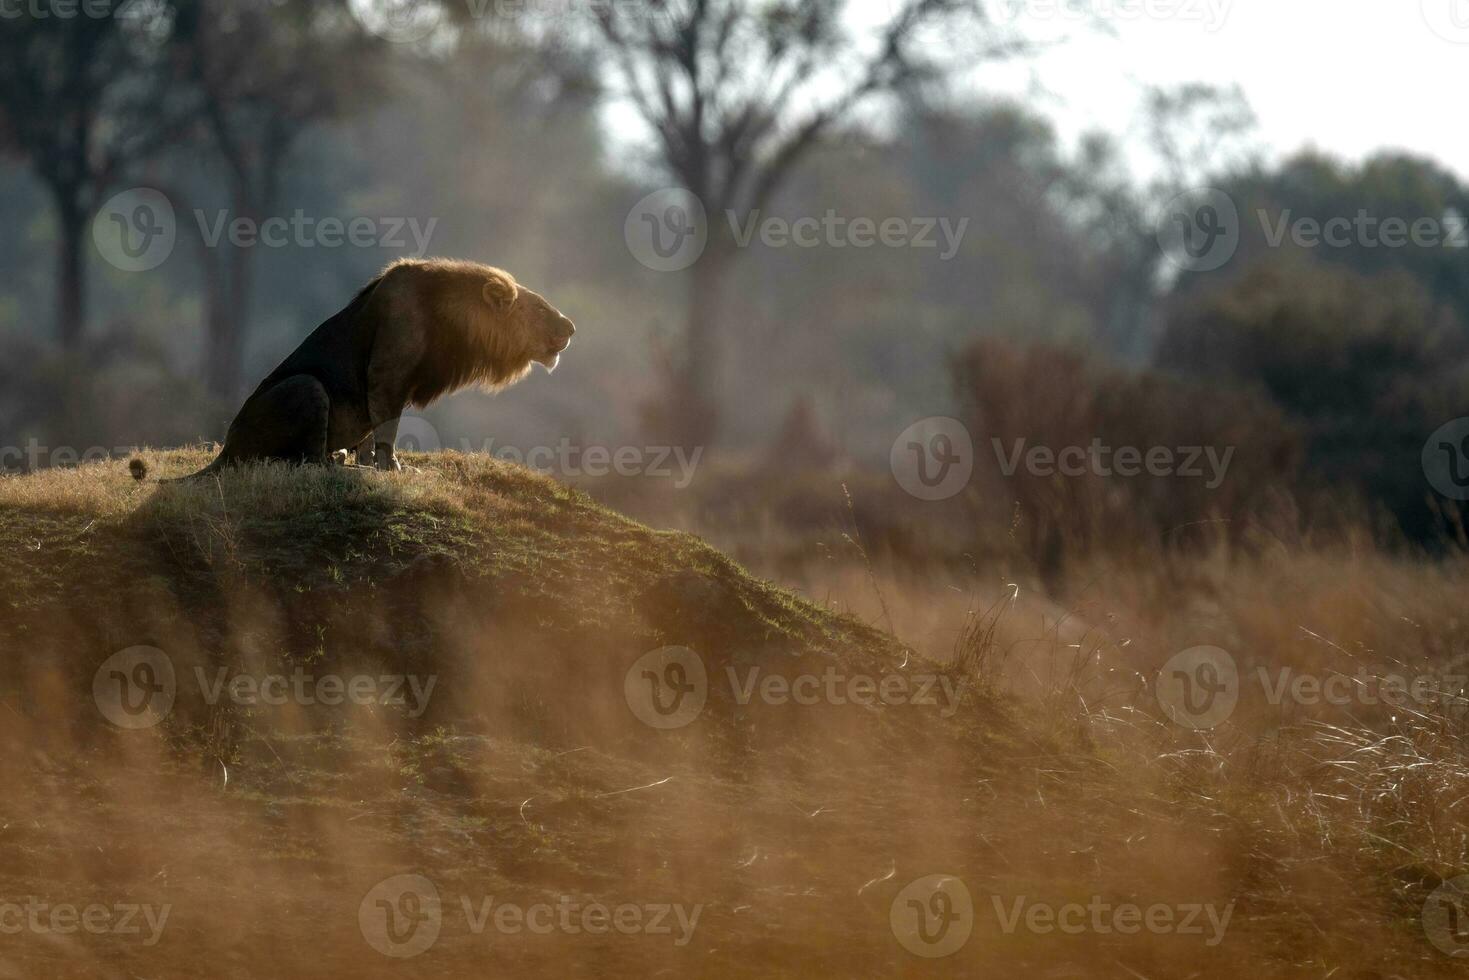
[
  {"x": 481, "y": 327},
  {"x": 535, "y": 329}
]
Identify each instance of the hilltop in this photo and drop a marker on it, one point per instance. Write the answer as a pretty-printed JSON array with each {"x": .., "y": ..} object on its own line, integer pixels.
[
  {"x": 504, "y": 750},
  {"x": 522, "y": 608},
  {"x": 463, "y": 562}
]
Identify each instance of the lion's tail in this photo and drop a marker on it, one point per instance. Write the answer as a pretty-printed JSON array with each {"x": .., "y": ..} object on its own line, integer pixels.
[{"x": 139, "y": 469}]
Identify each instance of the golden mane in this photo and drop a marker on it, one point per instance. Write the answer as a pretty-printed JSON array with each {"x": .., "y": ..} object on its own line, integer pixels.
[{"x": 469, "y": 342}]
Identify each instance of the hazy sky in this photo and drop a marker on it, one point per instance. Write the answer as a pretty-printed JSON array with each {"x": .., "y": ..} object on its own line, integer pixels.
[{"x": 1345, "y": 76}]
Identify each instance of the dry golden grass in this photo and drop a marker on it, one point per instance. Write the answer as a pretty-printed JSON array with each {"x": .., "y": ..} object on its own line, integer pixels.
[{"x": 1322, "y": 830}]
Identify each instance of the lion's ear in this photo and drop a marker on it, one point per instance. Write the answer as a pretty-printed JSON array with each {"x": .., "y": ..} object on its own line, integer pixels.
[{"x": 499, "y": 292}]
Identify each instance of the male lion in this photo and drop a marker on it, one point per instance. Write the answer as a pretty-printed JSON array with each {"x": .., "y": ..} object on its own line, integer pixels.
[{"x": 421, "y": 329}]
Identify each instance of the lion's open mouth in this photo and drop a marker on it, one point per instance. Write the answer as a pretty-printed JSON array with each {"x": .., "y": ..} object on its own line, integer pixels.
[{"x": 553, "y": 358}]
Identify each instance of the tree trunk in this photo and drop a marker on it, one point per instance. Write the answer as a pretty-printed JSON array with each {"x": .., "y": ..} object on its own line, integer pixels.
[
  {"x": 229, "y": 294},
  {"x": 693, "y": 413},
  {"x": 71, "y": 300},
  {"x": 216, "y": 328}
]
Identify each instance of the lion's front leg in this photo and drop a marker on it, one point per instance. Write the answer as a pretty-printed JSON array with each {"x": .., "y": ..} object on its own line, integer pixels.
[
  {"x": 364, "y": 451},
  {"x": 383, "y": 439}
]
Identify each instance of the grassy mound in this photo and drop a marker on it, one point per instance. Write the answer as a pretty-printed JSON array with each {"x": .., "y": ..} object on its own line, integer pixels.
[
  {"x": 465, "y": 567},
  {"x": 504, "y": 752},
  {"x": 520, "y": 766}
]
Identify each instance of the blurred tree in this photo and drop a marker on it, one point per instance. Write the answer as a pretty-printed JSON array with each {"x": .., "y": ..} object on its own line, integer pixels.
[
  {"x": 1196, "y": 130},
  {"x": 83, "y": 100},
  {"x": 1017, "y": 398},
  {"x": 736, "y": 93},
  {"x": 1311, "y": 188},
  {"x": 1366, "y": 365},
  {"x": 1191, "y": 132},
  {"x": 266, "y": 71}
]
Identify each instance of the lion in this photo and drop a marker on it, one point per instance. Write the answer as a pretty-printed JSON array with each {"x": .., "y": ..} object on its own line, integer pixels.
[{"x": 421, "y": 329}]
